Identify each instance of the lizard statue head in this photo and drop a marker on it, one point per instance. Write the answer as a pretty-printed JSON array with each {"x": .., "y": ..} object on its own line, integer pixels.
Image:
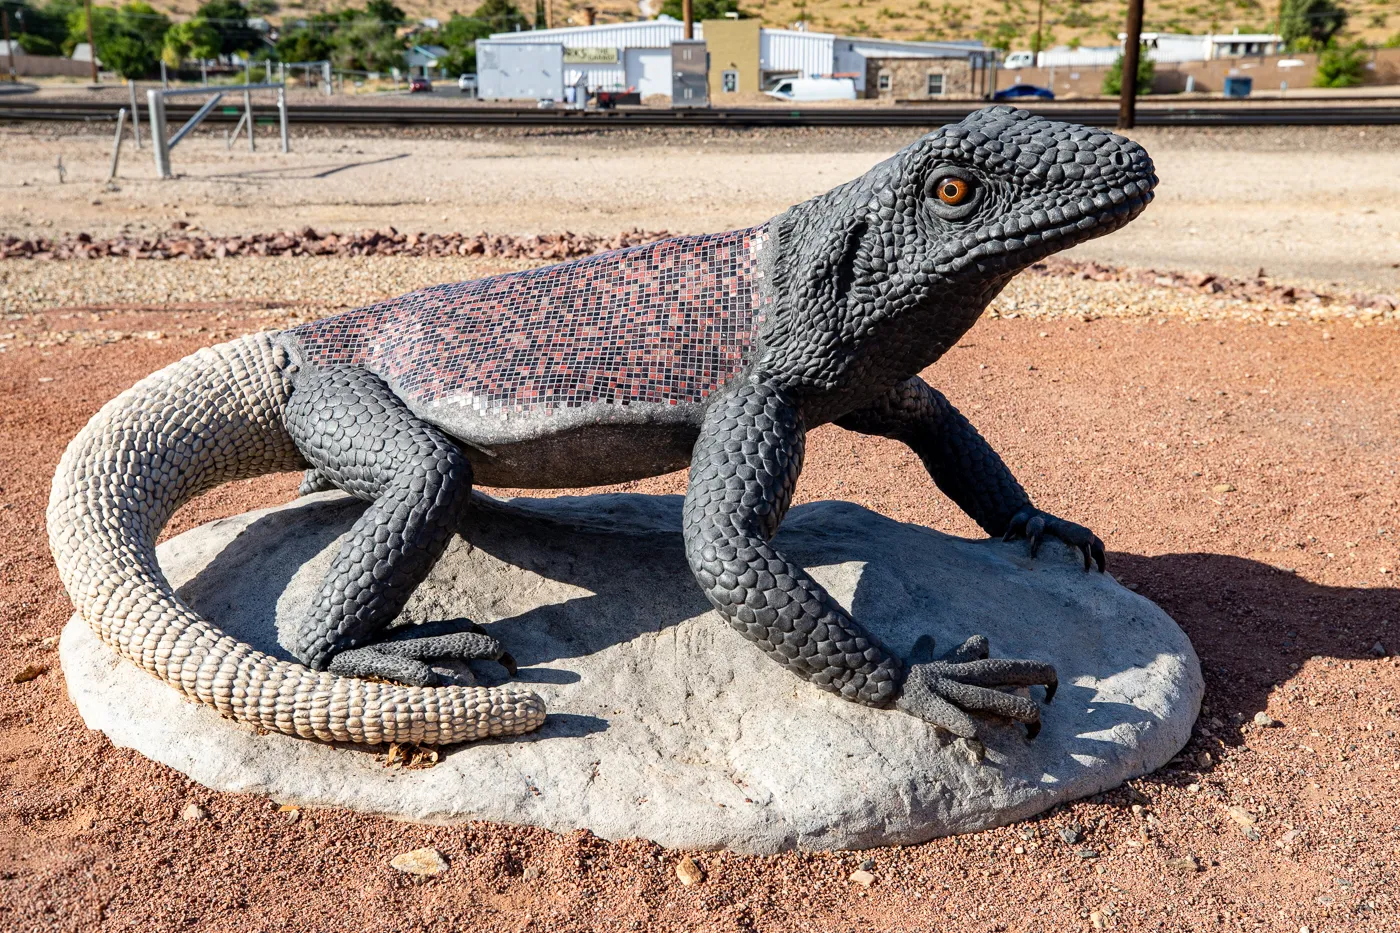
[{"x": 930, "y": 235}]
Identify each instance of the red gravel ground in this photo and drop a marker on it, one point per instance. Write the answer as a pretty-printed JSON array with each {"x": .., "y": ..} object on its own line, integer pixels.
[{"x": 1243, "y": 476}]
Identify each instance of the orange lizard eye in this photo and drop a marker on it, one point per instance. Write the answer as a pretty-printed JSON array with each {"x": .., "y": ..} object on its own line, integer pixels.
[{"x": 952, "y": 191}]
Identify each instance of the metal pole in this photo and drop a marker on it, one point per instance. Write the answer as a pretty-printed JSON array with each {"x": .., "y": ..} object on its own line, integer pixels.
[
  {"x": 164, "y": 80},
  {"x": 282, "y": 117},
  {"x": 1132, "y": 43},
  {"x": 92, "y": 46},
  {"x": 155, "y": 116},
  {"x": 248, "y": 112},
  {"x": 688, "y": 15},
  {"x": 326, "y": 77},
  {"x": 117, "y": 143},
  {"x": 135, "y": 114}
]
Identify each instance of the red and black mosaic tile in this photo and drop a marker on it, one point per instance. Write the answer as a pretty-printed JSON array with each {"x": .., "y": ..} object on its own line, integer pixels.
[{"x": 665, "y": 323}]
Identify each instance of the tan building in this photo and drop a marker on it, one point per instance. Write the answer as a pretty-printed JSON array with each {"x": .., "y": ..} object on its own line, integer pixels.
[
  {"x": 733, "y": 45},
  {"x": 901, "y": 78}
]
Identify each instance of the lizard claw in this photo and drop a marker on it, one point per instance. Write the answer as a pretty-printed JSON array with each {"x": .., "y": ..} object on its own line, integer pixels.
[
  {"x": 943, "y": 691},
  {"x": 1034, "y": 524}
]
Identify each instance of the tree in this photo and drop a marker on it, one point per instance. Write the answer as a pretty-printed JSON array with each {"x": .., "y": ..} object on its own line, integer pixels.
[
  {"x": 195, "y": 38},
  {"x": 367, "y": 45},
  {"x": 304, "y": 43},
  {"x": 128, "y": 40},
  {"x": 229, "y": 18},
  {"x": 458, "y": 35},
  {"x": 1341, "y": 67},
  {"x": 39, "y": 31},
  {"x": 501, "y": 16},
  {"x": 385, "y": 12},
  {"x": 1113, "y": 78},
  {"x": 1310, "y": 24},
  {"x": 704, "y": 9}
]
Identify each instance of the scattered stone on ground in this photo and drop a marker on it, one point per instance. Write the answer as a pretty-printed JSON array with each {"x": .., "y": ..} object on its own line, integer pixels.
[
  {"x": 1186, "y": 864},
  {"x": 1264, "y": 720},
  {"x": 862, "y": 877},
  {"x": 426, "y": 861},
  {"x": 193, "y": 811},
  {"x": 30, "y": 672},
  {"x": 689, "y": 871}
]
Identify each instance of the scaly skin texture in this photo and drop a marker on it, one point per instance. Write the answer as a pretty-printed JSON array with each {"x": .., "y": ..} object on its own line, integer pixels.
[{"x": 722, "y": 351}]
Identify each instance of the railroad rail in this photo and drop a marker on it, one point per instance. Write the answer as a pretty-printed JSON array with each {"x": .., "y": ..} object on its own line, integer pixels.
[{"x": 1213, "y": 114}]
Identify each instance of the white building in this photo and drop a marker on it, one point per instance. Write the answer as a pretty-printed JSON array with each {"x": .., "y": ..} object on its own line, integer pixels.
[
  {"x": 638, "y": 55},
  {"x": 1162, "y": 47}
]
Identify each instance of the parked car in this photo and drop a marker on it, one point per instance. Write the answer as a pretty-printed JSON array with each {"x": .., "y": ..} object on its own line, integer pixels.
[
  {"x": 467, "y": 84},
  {"x": 814, "y": 89},
  {"x": 1024, "y": 90},
  {"x": 420, "y": 86},
  {"x": 1018, "y": 60}
]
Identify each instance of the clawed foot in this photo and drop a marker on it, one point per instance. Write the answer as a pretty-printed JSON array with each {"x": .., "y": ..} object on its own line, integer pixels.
[
  {"x": 941, "y": 691},
  {"x": 406, "y": 655},
  {"x": 1035, "y": 524}
]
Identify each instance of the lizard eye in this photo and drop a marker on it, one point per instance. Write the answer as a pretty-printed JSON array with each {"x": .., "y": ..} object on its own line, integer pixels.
[{"x": 952, "y": 190}]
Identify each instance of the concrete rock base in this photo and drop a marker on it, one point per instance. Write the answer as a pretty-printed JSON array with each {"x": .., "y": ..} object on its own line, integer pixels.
[{"x": 663, "y": 722}]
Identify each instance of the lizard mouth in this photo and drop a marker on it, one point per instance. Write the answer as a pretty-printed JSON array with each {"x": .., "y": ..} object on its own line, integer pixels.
[{"x": 1086, "y": 219}]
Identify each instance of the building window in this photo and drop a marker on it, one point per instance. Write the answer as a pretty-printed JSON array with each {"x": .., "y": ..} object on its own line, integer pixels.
[
  {"x": 884, "y": 81},
  {"x": 935, "y": 85},
  {"x": 729, "y": 82}
]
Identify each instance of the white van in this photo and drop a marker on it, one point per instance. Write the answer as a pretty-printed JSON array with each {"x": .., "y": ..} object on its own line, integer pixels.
[
  {"x": 814, "y": 89},
  {"x": 1018, "y": 60}
]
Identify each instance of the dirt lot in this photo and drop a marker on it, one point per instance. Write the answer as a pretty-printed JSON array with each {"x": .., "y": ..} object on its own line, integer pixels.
[
  {"x": 1320, "y": 204},
  {"x": 1238, "y": 457}
]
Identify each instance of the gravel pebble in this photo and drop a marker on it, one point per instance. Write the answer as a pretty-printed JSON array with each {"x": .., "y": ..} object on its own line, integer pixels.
[{"x": 426, "y": 861}]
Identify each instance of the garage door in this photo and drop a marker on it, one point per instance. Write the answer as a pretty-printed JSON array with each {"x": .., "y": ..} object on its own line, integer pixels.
[{"x": 649, "y": 71}]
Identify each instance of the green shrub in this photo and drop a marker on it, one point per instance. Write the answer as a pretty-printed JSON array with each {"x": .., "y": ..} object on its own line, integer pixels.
[
  {"x": 37, "y": 45},
  {"x": 1146, "y": 71},
  {"x": 1341, "y": 67}
]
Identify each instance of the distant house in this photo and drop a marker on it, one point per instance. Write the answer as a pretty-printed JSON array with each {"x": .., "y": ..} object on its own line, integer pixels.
[
  {"x": 82, "y": 52},
  {"x": 423, "y": 58}
]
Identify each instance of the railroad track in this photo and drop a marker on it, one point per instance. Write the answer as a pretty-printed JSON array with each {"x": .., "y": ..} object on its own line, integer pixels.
[{"x": 1251, "y": 114}]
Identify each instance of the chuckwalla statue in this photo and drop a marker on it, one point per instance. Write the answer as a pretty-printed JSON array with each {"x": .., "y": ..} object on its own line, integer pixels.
[{"x": 717, "y": 351}]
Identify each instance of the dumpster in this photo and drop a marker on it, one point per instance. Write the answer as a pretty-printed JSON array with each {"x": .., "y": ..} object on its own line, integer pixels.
[{"x": 1238, "y": 87}]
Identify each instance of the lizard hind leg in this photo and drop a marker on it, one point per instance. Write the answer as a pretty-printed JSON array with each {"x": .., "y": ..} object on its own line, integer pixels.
[{"x": 360, "y": 437}]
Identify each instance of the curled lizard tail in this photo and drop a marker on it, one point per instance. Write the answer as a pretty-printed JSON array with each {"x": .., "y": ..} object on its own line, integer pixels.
[{"x": 213, "y": 417}]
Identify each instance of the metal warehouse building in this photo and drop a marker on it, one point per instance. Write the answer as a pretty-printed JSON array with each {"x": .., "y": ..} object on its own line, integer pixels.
[{"x": 541, "y": 63}]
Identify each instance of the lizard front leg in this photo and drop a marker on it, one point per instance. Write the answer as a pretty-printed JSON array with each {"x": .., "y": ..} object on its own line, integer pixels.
[
  {"x": 742, "y": 476},
  {"x": 360, "y": 437},
  {"x": 966, "y": 468}
]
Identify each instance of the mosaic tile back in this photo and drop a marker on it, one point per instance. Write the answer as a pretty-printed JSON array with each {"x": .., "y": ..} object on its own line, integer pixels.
[{"x": 665, "y": 323}]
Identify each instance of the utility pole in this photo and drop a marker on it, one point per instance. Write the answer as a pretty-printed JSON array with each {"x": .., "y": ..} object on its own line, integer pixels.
[
  {"x": 92, "y": 46},
  {"x": 1039, "y": 32},
  {"x": 688, "y": 14},
  {"x": 1132, "y": 44},
  {"x": 9, "y": 49}
]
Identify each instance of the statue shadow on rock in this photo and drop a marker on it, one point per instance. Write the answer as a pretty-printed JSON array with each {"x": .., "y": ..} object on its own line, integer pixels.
[{"x": 618, "y": 561}]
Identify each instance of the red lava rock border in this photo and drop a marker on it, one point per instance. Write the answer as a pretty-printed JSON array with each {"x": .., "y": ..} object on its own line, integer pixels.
[
  {"x": 306, "y": 241},
  {"x": 178, "y": 244}
]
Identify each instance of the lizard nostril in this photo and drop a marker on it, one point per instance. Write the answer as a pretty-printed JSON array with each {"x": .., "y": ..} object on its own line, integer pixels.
[{"x": 1119, "y": 159}]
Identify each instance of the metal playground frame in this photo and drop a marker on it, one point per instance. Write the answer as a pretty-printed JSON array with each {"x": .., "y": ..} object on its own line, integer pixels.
[{"x": 161, "y": 145}]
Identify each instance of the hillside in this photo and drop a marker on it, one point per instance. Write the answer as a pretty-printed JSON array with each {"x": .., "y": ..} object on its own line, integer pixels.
[{"x": 1086, "y": 22}]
